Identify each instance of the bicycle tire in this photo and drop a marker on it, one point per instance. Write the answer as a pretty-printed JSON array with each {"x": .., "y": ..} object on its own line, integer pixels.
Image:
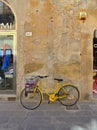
[
  {"x": 68, "y": 90},
  {"x": 29, "y": 101}
]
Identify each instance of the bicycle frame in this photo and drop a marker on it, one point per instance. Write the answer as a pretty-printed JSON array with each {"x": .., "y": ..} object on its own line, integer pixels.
[{"x": 52, "y": 96}]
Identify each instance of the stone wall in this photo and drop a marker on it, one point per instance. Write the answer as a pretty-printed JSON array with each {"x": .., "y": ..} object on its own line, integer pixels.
[{"x": 60, "y": 45}]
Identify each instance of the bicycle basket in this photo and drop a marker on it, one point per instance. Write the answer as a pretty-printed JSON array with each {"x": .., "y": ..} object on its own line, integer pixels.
[{"x": 30, "y": 83}]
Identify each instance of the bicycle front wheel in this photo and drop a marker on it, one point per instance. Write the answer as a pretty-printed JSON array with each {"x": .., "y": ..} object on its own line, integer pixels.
[
  {"x": 31, "y": 100},
  {"x": 68, "y": 95}
]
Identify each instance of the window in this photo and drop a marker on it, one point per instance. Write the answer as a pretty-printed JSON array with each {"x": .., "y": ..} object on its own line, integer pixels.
[{"x": 6, "y": 62}]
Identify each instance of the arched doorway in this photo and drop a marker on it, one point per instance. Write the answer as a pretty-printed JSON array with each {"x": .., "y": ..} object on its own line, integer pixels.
[{"x": 7, "y": 49}]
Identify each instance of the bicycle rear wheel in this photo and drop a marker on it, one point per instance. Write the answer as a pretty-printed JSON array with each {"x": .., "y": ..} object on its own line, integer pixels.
[
  {"x": 68, "y": 95},
  {"x": 31, "y": 100}
]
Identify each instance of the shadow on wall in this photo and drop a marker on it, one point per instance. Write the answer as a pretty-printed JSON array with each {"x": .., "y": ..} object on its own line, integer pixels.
[{"x": 91, "y": 126}]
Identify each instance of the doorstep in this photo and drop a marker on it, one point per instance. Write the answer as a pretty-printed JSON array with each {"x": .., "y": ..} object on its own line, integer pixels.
[{"x": 8, "y": 97}]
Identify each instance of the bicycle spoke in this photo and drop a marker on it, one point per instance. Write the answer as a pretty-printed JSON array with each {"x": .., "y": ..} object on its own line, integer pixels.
[
  {"x": 31, "y": 100},
  {"x": 70, "y": 95}
]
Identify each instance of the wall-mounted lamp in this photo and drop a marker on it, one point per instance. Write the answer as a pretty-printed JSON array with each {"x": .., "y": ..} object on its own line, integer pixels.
[{"x": 83, "y": 16}]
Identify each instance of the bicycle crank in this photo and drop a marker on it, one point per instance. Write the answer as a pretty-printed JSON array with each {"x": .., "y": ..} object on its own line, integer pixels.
[{"x": 52, "y": 97}]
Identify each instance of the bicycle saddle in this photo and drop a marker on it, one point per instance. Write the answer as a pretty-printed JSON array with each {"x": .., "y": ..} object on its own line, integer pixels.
[{"x": 59, "y": 80}]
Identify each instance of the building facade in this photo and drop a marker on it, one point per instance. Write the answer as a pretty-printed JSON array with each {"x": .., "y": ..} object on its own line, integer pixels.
[{"x": 47, "y": 37}]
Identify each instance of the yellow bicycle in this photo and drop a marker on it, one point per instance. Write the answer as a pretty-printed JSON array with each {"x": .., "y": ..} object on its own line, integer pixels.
[{"x": 32, "y": 95}]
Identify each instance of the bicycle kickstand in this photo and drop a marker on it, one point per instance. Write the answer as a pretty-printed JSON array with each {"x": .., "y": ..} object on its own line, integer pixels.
[{"x": 48, "y": 101}]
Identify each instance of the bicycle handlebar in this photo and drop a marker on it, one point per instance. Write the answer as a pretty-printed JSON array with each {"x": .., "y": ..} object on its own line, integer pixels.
[
  {"x": 39, "y": 76},
  {"x": 42, "y": 76}
]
